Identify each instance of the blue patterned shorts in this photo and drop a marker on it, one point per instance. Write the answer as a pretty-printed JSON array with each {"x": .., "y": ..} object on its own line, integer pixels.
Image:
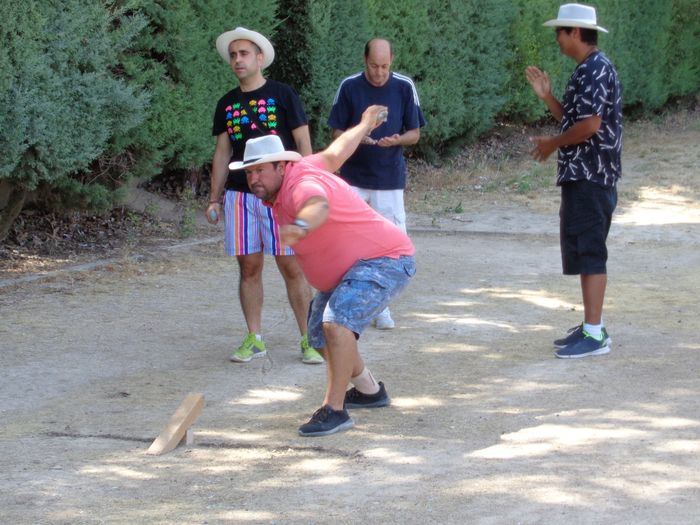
[{"x": 364, "y": 291}]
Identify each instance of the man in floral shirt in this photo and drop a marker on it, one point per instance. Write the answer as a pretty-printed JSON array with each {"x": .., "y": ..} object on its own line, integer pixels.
[{"x": 588, "y": 167}]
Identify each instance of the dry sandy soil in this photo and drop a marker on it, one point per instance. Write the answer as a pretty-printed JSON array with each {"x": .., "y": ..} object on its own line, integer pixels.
[{"x": 486, "y": 426}]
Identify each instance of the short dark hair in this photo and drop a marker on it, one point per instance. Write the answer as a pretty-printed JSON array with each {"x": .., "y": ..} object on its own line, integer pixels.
[
  {"x": 588, "y": 36},
  {"x": 367, "y": 46}
]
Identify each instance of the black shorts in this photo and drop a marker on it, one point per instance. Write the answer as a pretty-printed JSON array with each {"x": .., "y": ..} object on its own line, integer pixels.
[{"x": 585, "y": 216}]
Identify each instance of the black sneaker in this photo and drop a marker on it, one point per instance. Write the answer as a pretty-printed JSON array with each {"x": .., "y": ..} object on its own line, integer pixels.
[
  {"x": 356, "y": 399},
  {"x": 326, "y": 421},
  {"x": 584, "y": 347},
  {"x": 575, "y": 334}
]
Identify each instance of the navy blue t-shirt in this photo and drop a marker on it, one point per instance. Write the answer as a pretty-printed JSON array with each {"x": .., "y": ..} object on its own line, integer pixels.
[
  {"x": 273, "y": 109},
  {"x": 593, "y": 89},
  {"x": 375, "y": 167}
]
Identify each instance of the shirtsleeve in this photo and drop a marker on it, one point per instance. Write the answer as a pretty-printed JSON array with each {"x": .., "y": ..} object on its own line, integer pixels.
[
  {"x": 305, "y": 189},
  {"x": 412, "y": 116},
  {"x": 593, "y": 86},
  {"x": 296, "y": 117},
  {"x": 340, "y": 112},
  {"x": 219, "y": 125}
]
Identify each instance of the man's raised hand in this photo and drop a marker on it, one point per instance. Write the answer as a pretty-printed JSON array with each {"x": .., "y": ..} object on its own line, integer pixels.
[
  {"x": 371, "y": 116},
  {"x": 539, "y": 80}
]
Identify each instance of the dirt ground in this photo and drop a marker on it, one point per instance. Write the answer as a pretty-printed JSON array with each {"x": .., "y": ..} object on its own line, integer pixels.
[{"x": 485, "y": 426}]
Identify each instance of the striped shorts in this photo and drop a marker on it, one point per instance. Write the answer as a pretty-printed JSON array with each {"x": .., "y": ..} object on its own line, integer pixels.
[{"x": 250, "y": 227}]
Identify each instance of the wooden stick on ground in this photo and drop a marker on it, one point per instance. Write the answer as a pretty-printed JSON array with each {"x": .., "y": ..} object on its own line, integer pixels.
[{"x": 175, "y": 431}]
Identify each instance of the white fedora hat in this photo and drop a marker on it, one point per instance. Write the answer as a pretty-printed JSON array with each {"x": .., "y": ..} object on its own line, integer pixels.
[
  {"x": 576, "y": 15},
  {"x": 268, "y": 148},
  {"x": 241, "y": 33}
]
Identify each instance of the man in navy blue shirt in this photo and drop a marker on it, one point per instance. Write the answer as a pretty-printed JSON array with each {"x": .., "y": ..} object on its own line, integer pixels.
[
  {"x": 589, "y": 148},
  {"x": 377, "y": 170}
]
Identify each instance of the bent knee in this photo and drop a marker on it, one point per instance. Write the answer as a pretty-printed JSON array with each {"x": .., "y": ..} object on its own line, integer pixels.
[
  {"x": 250, "y": 267},
  {"x": 289, "y": 267},
  {"x": 334, "y": 331}
]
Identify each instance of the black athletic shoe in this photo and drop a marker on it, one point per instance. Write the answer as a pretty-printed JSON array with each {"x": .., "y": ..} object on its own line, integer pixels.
[
  {"x": 356, "y": 399},
  {"x": 575, "y": 334},
  {"x": 589, "y": 345},
  {"x": 326, "y": 421}
]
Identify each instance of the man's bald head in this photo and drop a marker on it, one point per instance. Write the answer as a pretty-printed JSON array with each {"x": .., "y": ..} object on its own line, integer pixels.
[
  {"x": 378, "y": 45},
  {"x": 378, "y": 58}
]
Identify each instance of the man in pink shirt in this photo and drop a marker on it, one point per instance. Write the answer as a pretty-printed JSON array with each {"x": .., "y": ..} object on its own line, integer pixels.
[{"x": 358, "y": 260}]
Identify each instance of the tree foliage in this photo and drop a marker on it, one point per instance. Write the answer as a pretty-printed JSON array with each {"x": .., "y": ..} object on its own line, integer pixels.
[
  {"x": 176, "y": 60},
  {"x": 97, "y": 92},
  {"x": 65, "y": 101}
]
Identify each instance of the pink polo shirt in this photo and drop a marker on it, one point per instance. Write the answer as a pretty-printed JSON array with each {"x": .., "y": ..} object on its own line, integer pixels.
[{"x": 353, "y": 230}]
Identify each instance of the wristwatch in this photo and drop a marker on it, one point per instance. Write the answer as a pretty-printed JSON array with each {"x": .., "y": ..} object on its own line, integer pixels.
[{"x": 302, "y": 224}]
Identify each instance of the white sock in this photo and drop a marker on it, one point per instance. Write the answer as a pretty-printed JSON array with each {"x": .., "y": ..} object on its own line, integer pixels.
[
  {"x": 365, "y": 382},
  {"x": 258, "y": 337},
  {"x": 595, "y": 330}
]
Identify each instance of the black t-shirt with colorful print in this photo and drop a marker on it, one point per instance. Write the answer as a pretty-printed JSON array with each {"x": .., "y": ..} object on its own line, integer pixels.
[{"x": 273, "y": 109}]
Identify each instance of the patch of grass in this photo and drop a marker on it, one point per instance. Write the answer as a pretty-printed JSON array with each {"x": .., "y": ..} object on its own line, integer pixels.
[
  {"x": 134, "y": 218},
  {"x": 135, "y": 222},
  {"x": 657, "y": 149},
  {"x": 189, "y": 205},
  {"x": 492, "y": 186},
  {"x": 533, "y": 179},
  {"x": 152, "y": 209}
]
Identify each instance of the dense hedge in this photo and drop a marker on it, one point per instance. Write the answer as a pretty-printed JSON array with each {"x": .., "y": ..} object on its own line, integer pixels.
[
  {"x": 96, "y": 92},
  {"x": 176, "y": 61},
  {"x": 61, "y": 99},
  {"x": 468, "y": 57}
]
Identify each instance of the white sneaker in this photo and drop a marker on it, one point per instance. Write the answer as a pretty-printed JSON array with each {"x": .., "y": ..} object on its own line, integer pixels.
[{"x": 384, "y": 321}]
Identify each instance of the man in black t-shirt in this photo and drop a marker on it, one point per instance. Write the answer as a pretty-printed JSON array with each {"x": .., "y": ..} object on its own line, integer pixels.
[{"x": 257, "y": 107}]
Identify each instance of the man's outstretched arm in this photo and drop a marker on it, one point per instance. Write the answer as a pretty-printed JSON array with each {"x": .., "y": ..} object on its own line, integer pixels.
[{"x": 345, "y": 145}]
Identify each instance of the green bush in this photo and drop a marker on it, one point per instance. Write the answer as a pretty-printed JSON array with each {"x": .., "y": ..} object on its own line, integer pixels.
[
  {"x": 655, "y": 47},
  {"x": 65, "y": 100},
  {"x": 408, "y": 25},
  {"x": 95, "y": 92},
  {"x": 464, "y": 84},
  {"x": 682, "y": 66},
  {"x": 460, "y": 70},
  {"x": 639, "y": 48},
  {"x": 292, "y": 44},
  {"x": 532, "y": 45},
  {"x": 338, "y": 30},
  {"x": 177, "y": 61}
]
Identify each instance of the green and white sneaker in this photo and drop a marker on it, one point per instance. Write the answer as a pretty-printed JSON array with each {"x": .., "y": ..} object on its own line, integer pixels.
[
  {"x": 249, "y": 349},
  {"x": 575, "y": 334},
  {"x": 309, "y": 355}
]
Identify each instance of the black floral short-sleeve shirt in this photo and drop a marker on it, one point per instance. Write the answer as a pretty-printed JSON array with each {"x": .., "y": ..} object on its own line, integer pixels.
[{"x": 593, "y": 89}]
